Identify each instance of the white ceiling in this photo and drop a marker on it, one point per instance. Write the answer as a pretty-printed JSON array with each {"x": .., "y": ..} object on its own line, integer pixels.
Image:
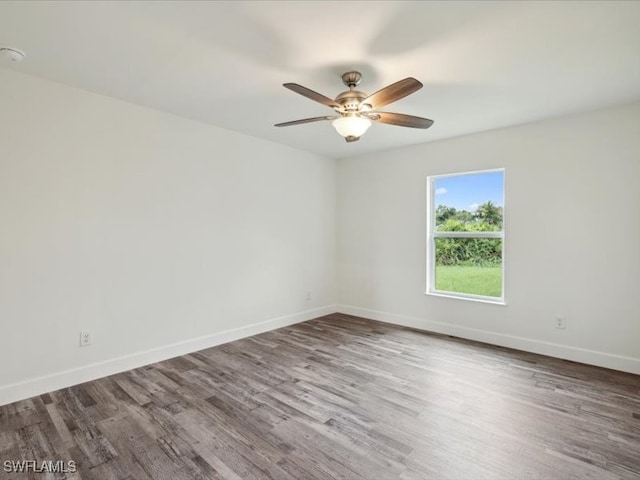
[{"x": 483, "y": 64}]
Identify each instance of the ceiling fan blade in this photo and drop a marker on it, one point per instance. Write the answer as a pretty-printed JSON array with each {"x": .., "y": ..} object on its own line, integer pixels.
[
  {"x": 304, "y": 120},
  {"x": 393, "y": 92},
  {"x": 315, "y": 96},
  {"x": 400, "y": 119}
]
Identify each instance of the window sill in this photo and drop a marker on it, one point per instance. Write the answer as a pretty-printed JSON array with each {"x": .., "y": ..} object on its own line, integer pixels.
[{"x": 497, "y": 301}]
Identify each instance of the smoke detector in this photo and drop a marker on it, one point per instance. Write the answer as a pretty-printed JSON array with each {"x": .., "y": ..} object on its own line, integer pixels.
[{"x": 12, "y": 54}]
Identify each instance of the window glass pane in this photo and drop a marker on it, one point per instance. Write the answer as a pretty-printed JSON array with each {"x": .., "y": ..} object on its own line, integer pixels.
[
  {"x": 469, "y": 265},
  {"x": 469, "y": 203}
]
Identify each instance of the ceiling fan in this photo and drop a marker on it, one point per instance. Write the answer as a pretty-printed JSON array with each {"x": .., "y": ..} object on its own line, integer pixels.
[{"x": 356, "y": 110}]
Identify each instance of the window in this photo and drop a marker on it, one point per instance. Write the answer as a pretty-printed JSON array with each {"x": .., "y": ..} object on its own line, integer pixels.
[{"x": 465, "y": 236}]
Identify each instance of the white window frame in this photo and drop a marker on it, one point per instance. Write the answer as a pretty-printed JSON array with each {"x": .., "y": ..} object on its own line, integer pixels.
[{"x": 432, "y": 234}]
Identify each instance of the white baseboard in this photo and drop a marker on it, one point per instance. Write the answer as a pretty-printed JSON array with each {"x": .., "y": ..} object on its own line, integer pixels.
[
  {"x": 582, "y": 355},
  {"x": 48, "y": 383},
  {"x": 37, "y": 386}
]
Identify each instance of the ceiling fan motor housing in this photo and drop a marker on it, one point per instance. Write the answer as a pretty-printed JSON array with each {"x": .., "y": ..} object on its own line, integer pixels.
[{"x": 350, "y": 100}]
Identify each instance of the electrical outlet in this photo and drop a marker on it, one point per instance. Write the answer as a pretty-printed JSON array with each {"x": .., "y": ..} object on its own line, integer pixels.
[
  {"x": 561, "y": 322},
  {"x": 308, "y": 296},
  {"x": 85, "y": 339}
]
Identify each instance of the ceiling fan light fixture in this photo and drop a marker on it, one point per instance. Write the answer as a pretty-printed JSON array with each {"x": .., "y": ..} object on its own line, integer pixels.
[
  {"x": 356, "y": 111},
  {"x": 351, "y": 126}
]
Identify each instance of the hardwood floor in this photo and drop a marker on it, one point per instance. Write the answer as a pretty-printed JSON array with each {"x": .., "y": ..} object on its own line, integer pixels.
[{"x": 338, "y": 397}]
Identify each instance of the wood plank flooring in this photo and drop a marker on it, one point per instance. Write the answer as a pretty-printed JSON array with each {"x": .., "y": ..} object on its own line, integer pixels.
[{"x": 338, "y": 397}]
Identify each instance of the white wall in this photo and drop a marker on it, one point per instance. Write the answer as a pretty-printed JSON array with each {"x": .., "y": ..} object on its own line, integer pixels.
[
  {"x": 572, "y": 236},
  {"x": 161, "y": 235},
  {"x": 147, "y": 230}
]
